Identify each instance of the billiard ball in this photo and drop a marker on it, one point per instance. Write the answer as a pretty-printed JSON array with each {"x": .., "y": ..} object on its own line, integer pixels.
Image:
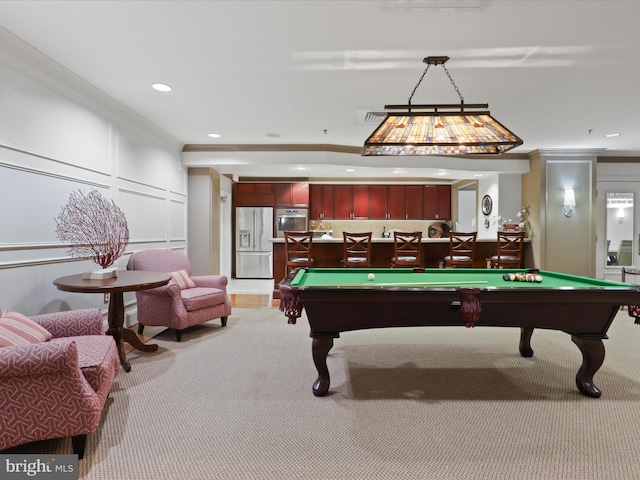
[
  {"x": 505, "y": 277},
  {"x": 371, "y": 276},
  {"x": 539, "y": 278}
]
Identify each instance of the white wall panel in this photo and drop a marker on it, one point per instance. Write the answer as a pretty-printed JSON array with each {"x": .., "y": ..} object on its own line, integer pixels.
[
  {"x": 31, "y": 201},
  {"x": 40, "y": 120},
  {"x": 146, "y": 216},
  {"x": 178, "y": 221},
  {"x": 140, "y": 161},
  {"x": 176, "y": 175}
]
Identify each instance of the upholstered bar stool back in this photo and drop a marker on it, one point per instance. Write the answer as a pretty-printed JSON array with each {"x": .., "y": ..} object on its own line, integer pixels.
[
  {"x": 406, "y": 249},
  {"x": 462, "y": 250},
  {"x": 510, "y": 246},
  {"x": 297, "y": 250},
  {"x": 357, "y": 249}
]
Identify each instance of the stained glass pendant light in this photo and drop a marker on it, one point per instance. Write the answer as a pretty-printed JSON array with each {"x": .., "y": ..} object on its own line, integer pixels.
[{"x": 448, "y": 129}]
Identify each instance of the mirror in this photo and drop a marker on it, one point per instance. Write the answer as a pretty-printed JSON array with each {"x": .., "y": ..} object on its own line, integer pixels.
[{"x": 620, "y": 215}]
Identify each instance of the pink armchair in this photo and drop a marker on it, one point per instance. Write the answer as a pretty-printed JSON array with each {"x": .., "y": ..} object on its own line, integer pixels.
[
  {"x": 57, "y": 388},
  {"x": 202, "y": 298}
]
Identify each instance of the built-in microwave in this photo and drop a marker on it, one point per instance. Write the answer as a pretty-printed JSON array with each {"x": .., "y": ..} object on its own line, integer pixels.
[{"x": 291, "y": 220}]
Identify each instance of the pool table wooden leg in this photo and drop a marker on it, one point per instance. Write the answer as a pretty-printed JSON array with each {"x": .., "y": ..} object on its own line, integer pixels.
[
  {"x": 525, "y": 342},
  {"x": 320, "y": 349},
  {"x": 592, "y": 349}
]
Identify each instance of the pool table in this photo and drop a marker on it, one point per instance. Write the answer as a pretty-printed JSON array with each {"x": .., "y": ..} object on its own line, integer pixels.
[{"x": 345, "y": 299}]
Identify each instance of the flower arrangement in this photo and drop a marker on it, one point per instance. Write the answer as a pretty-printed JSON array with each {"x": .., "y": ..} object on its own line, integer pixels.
[
  {"x": 95, "y": 228},
  {"x": 525, "y": 225},
  {"x": 499, "y": 220}
]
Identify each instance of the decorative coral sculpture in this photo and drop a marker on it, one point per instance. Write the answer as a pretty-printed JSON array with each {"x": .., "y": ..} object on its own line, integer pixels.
[{"x": 95, "y": 228}]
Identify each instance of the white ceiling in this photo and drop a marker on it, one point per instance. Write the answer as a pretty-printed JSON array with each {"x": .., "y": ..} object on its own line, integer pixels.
[{"x": 559, "y": 74}]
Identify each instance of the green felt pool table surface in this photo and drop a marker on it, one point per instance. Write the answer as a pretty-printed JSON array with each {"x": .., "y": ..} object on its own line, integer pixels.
[{"x": 438, "y": 277}]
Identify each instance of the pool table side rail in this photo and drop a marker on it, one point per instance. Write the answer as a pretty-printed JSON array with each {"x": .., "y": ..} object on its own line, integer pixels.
[{"x": 510, "y": 305}]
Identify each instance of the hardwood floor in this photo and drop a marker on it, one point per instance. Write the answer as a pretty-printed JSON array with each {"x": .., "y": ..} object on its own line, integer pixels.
[{"x": 250, "y": 300}]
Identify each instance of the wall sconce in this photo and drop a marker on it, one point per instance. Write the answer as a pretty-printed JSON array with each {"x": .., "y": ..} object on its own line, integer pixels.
[{"x": 569, "y": 202}]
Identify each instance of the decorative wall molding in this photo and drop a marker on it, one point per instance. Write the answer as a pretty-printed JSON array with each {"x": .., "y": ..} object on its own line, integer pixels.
[
  {"x": 41, "y": 261},
  {"x": 37, "y": 171},
  {"x": 141, "y": 193}
]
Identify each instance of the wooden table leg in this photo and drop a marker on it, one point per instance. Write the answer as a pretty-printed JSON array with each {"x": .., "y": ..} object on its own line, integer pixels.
[
  {"x": 121, "y": 334},
  {"x": 592, "y": 350}
]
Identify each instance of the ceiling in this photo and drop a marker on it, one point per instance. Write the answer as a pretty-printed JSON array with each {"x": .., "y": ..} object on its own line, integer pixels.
[{"x": 559, "y": 74}]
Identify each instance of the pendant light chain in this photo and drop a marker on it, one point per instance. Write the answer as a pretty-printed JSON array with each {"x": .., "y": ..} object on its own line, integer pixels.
[
  {"x": 453, "y": 83},
  {"x": 418, "y": 84},
  {"x": 450, "y": 79}
]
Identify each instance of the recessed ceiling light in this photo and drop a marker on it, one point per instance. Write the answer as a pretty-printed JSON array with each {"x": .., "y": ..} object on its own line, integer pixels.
[
  {"x": 610, "y": 135},
  {"x": 162, "y": 87},
  {"x": 442, "y": 173},
  {"x": 214, "y": 135},
  {"x": 273, "y": 135},
  {"x": 477, "y": 174},
  {"x": 350, "y": 170},
  {"x": 301, "y": 168}
]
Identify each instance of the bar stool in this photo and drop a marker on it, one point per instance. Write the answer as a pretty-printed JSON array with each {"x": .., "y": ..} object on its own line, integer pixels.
[
  {"x": 509, "y": 250},
  {"x": 297, "y": 250},
  {"x": 357, "y": 249},
  {"x": 406, "y": 249},
  {"x": 462, "y": 250}
]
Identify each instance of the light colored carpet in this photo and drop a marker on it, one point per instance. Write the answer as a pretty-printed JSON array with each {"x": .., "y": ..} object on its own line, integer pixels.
[{"x": 412, "y": 403}]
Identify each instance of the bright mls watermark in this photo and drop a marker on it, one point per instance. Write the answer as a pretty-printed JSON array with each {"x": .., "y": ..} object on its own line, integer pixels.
[{"x": 50, "y": 467}]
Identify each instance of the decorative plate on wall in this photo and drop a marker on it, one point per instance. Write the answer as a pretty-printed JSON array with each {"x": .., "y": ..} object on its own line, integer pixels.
[{"x": 487, "y": 204}]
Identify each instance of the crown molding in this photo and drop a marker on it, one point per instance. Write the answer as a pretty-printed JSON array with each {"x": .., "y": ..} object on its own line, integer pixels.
[
  {"x": 271, "y": 147},
  {"x": 25, "y": 59}
]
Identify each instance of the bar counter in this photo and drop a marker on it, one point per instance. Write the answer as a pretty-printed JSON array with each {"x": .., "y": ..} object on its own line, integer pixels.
[{"x": 329, "y": 252}]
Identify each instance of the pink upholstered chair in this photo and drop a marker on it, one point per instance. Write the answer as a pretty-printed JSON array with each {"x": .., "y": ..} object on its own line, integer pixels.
[
  {"x": 57, "y": 388},
  {"x": 191, "y": 301}
]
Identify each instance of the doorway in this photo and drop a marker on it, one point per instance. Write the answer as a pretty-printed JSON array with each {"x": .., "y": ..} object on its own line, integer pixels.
[
  {"x": 618, "y": 240},
  {"x": 467, "y": 208}
]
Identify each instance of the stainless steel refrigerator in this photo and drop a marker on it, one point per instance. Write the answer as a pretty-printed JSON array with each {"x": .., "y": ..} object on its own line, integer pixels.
[{"x": 254, "y": 248}]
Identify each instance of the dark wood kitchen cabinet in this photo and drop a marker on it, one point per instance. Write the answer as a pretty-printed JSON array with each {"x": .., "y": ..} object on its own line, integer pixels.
[
  {"x": 343, "y": 195},
  {"x": 321, "y": 201},
  {"x": 360, "y": 201},
  {"x": 254, "y": 194},
  {"x": 378, "y": 202},
  {"x": 387, "y": 202},
  {"x": 351, "y": 202},
  {"x": 292, "y": 194},
  {"x": 414, "y": 195},
  {"x": 437, "y": 202},
  {"x": 396, "y": 202}
]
